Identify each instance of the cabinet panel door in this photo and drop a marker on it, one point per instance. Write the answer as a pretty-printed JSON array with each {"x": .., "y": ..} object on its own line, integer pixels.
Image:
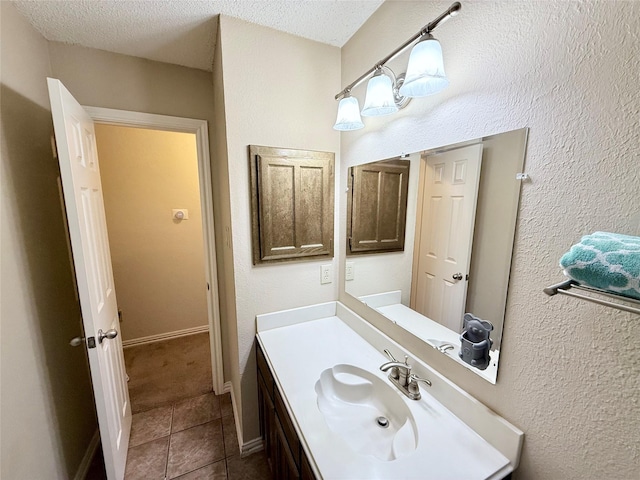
[
  {"x": 378, "y": 206},
  {"x": 285, "y": 466},
  {"x": 292, "y": 202},
  {"x": 306, "y": 473},
  {"x": 287, "y": 427},
  {"x": 267, "y": 421}
]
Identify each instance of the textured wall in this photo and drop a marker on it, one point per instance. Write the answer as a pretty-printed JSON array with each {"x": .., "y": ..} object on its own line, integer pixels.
[
  {"x": 222, "y": 213},
  {"x": 570, "y": 371},
  {"x": 158, "y": 262},
  {"x": 47, "y": 413},
  {"x": 276, "y": 91}
]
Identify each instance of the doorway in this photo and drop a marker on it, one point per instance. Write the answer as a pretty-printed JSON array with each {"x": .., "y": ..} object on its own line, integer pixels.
[{"x": 155, "y": 223}]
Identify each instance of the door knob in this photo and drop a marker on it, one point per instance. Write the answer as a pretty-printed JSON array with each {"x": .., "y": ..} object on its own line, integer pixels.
[
  {"x": 110, "y": 334},
  {"x": 76, "y": 341},
  {"x": 457, "y": 276}
]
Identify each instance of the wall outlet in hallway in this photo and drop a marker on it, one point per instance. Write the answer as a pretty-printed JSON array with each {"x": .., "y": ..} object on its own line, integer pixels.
[{"x": 326, "y": 274}]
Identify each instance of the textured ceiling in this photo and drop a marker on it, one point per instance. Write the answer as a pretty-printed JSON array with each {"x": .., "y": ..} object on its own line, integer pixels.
[{"x": 183, "y": 32}]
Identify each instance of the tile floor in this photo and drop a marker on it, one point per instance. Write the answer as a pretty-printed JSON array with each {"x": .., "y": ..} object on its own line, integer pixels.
[
  {"x": 163, "y": 373},
  {"x": 192, "y": 439},
  {"x": 180, "y": 428}
]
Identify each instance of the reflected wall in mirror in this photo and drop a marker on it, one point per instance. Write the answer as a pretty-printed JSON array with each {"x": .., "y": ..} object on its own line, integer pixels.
[{"x": 462, "y": 206}]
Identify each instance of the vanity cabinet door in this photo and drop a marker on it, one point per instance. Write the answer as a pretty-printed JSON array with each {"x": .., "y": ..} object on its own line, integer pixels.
[
  {"x": 287, "y": 428},
  {"x": 305, "y": 470},
  {"x": 285, "y": 467},
  {"x": 286, "y": 457},
  {"x": 267, "y": 414}
]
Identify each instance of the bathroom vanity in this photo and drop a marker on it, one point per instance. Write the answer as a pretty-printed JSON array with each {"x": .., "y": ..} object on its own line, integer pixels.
[{"x": 328, "y": 411}]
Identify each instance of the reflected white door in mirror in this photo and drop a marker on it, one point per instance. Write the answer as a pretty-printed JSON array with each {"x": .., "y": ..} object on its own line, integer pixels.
[{"x": 461, "y": 213}]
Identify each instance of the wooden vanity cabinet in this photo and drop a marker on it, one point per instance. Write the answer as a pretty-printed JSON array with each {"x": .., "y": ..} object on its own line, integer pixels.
[{"x": 286, "y": 457}]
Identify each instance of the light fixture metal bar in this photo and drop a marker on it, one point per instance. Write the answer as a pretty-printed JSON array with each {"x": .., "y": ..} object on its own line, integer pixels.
[{"x": 451, "y": 11}]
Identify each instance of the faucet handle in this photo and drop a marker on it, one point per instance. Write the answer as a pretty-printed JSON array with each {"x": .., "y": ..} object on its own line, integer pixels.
[
  {"x": 412, "y": 385},
  {"x": 415, "y": 378},
  {"x": 390, "y": 355}
]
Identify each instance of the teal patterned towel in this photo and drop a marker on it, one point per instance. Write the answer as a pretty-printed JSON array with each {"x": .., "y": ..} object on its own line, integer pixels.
[{"x": 608, "y": 261}]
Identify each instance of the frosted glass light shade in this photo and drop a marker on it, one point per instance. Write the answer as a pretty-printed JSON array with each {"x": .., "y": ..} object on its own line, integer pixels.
[
  {"x": 379, "y": 99},
  {"x": 348, "y": 115},
  {"x": 425, "y": 72}
]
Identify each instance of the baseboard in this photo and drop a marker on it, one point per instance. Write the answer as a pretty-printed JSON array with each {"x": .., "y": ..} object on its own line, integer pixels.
[
  {"x": 83, "y": 468},
  {"x": 164, "y": 336},
  {"x": 252, "y": 446}
]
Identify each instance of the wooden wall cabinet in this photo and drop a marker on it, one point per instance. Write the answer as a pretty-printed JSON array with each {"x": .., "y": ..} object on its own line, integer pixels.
[
  {"x": 292, "y": 204},
  {"x": 285, "y": 455},
  {"x": 377, "y": 206}
]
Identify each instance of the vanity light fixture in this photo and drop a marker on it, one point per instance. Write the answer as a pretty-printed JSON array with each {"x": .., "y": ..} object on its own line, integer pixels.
[
  {"x": 380, "y": 98},
  {"x": 348, "y": 114},
  {"x": 386, "y": 92}
]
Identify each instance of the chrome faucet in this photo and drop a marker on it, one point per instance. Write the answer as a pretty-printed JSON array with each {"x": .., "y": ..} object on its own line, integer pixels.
[{"x": 401, "y": 376}]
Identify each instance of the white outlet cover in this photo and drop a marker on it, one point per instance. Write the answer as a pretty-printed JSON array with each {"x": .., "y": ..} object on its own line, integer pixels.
[
  {"x": 349, "y": 271},
  {"x": 326, "y": 274}
]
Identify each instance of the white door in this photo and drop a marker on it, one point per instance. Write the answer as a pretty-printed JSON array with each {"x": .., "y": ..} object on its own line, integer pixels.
[
  {"x": 445, "y": 234},
  {"x": 80, "y": 174}
]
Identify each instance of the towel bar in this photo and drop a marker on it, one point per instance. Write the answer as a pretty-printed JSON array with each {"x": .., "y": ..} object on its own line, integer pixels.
[{"x": 564, "y": 289}]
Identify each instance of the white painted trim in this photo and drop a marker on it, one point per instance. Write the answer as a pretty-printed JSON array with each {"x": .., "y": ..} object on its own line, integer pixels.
[
  {"x": 85, "y": 463},
  {"x": 228, "y": 388},
  {"x": 200, "y": 129},
  {"x": 252, "y": 446},
  {"x": 164, "y": 336}
]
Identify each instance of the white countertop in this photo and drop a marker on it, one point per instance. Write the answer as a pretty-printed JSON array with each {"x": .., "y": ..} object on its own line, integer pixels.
[{"x": 299, "y": 352}]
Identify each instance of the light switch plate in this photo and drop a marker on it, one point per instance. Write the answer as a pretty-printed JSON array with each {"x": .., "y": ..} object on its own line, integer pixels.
[{"x": 326, "y": 274}]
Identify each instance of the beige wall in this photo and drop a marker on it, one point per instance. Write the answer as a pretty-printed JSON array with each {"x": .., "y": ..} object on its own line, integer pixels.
[
  {"x": 104, "y": 79},
  {"x": 224, "y": 249},
  {"x": 495, "y": 224},
  {"x": 46, "y": 408},
  {"x": 158, "y": 262},
  {"x": 278, "y": 91},
  {"x": 569, "y": 370}
]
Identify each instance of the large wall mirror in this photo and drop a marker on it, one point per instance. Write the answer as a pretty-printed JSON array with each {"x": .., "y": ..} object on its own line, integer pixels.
[{"x": 461, "y": 212}]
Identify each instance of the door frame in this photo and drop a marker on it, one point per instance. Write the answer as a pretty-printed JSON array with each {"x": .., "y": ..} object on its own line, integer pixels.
[{"x": 125, "y": 118}]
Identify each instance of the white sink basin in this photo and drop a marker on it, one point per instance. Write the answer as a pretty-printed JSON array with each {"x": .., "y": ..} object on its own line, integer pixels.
[{"x": 367, "y": 412}]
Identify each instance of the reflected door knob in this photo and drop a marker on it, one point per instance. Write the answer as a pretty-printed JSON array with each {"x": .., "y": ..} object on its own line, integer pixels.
[
  {"x": 110, "y": 334},
  {"x": 457, "y": 276},
  {"x": 76, "y": 341}
]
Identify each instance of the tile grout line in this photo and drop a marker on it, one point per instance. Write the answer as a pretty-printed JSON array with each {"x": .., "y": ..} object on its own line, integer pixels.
[{"x": 166, "y": 465}]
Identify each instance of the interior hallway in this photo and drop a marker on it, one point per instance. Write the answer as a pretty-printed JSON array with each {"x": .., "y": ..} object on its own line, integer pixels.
[{"x": 180, "y": 428}]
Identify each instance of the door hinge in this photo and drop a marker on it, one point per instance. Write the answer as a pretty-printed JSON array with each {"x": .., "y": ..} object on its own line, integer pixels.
[{"x": 91, "y": 342}]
